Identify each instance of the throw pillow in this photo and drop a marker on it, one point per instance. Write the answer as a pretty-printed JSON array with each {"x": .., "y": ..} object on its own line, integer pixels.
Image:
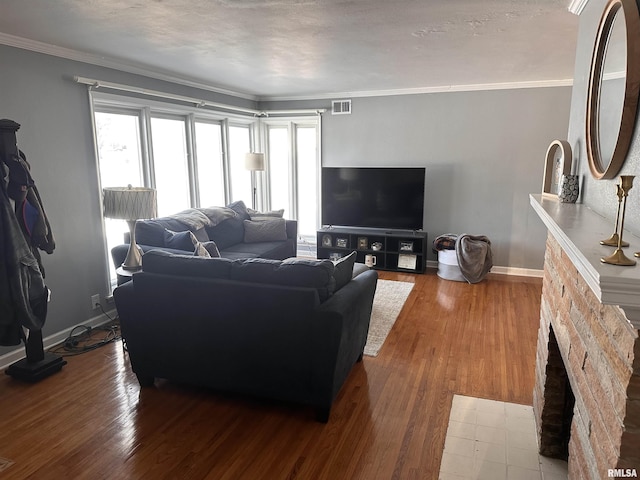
[
  {"x": 240, "y": 208},
  {"x": 192, "y": 218},
  {"x": 343, "y": 271},
  {"x": 180, "y": 240},
  {"x": 230, "y": 231},
  {"x": 201, "y": 251},
  {"x": 217, "y": 215},
  {"x": 255, "y": 214},
  {"x": 211, "y": 248},
  {"x": 151, "y": 232},
  {"x": 266, "y": 230}
]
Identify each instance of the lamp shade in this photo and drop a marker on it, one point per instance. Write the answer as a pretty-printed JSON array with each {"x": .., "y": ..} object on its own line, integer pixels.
[
  {"x": 254, "y": 161},
  {"x": 129, "y": 203}
]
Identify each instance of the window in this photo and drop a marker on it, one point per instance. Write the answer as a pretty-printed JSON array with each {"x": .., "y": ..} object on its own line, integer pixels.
[
  {"x": 197, "y": 158},
  {"x": 293, "y": 167},
  {"x": 307, "y": 185},
  {"x": 279, "y": 169},
  {"x": 208, "y": 140},
  {"x": 239, "y": 145},
  {"x": 170, "y": 168},
  {"x": 119, "y": 157}
]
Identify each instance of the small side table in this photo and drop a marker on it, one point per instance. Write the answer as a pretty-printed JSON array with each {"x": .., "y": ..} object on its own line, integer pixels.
[{"x": 123, "y": 276}]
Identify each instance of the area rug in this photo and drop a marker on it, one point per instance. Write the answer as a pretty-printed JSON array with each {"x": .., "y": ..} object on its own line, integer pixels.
[{"x": 387, "y": 303}]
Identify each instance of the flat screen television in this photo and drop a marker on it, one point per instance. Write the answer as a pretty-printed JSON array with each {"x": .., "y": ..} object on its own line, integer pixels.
[{"x": 375, "y": 197}]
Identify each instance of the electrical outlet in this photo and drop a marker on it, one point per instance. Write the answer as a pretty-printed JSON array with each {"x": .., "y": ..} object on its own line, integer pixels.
[{"x": 95, "y": 301}]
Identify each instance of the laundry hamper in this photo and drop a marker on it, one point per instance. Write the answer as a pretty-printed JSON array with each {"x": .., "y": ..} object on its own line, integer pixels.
[{"x": 448, "y": 266}]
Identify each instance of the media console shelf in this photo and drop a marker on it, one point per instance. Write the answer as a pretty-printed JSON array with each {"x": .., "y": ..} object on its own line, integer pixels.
[{"x": 398, "y": 250}]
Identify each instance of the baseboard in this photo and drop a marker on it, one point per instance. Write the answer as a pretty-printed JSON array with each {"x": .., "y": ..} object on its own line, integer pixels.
[
  {"x": 516, "y": 271},
  {"x": 55, "y": 339}
]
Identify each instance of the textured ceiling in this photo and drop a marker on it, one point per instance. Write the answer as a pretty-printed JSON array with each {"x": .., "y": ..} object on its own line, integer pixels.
[{"x": 307, "y": 48}]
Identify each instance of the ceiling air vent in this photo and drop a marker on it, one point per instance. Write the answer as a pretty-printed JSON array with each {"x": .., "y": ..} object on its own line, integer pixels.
[{"x": 341, "y": 107}]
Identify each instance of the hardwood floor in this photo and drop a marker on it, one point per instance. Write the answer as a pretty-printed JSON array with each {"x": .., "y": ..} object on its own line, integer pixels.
[{"x": 92, "y": 421}]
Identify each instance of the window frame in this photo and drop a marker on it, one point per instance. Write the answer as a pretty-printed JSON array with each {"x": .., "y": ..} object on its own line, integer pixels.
[
  {"x": 145, "y": 109},
  {"x": 292, "y": 124}
]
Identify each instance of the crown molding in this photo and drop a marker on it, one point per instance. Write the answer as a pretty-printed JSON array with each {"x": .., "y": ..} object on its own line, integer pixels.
[
  {"x": 69, "y": 54},
  {"x": 576, "y": 6},
  {"x": 568, "y": 82}
]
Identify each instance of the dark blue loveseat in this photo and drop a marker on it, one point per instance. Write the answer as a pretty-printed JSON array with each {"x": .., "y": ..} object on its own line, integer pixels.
[{"x": 289, "y": 330}]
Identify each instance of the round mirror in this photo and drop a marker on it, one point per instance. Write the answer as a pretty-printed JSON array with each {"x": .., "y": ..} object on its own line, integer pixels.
[{"x": 613, "y": 88}]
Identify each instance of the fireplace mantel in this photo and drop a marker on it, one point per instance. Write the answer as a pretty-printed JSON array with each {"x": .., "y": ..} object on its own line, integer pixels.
[
  {"x": 587, "y": 394},
  {"x": 578, "y": 230}
]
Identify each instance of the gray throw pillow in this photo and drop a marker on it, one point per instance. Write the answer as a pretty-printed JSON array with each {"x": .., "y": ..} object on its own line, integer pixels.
[
  {"x": 201, "y": 251},
  {"x": 217, "y": 215},
  {"x": 343, "y": 271},
  {"x": 180, "y": 240},
  {"x": 240, "y": 208},
  {"x": 256, "y": 215},
  {"x": 265, "y": 230},
  {"x": 211, "y": 248}
]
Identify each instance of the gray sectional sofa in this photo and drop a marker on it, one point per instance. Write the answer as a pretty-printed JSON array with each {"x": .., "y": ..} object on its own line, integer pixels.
[
  {"x": 289, "y": 330},
  {"x": 234, "y": 230}
]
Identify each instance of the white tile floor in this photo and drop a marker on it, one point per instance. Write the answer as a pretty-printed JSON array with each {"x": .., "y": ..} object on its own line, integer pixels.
[{"x": 489, "y": 440}]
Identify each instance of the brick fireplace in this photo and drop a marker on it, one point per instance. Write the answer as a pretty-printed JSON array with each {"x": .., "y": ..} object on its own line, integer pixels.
[{"x": 586, "y": 398}]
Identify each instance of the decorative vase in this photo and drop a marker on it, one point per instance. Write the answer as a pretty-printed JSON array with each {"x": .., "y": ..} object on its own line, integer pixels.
[{"x": 569, "y": 188}]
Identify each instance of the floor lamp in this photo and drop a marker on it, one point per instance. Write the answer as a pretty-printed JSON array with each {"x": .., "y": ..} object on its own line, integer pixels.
[
  {"x": 255, "y": 163},
  {"x": 130, "y": 204}
]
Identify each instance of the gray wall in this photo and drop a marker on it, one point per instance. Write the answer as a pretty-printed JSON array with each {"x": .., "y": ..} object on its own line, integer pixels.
[
  {"x": 37, "y": 91},
  {"x": 484, "y": 154},
  {"x": 600, "y": 195}
]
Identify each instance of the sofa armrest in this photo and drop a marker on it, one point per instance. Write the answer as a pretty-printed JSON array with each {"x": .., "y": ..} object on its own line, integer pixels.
[
  {"x": 292, "y": 229},
  {"x": 345, "y": 315}
]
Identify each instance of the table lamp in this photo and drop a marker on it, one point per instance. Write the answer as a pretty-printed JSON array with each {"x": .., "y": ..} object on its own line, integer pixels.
[{"x": 130, "y": 204}]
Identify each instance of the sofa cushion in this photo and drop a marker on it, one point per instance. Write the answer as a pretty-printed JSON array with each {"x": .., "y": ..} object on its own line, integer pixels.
[
  {"x": 297, "y": 272},
  {"x": 344, "y": 270},
  {"x": 159, "y": 261},
  {"x": 230, "y": 231},
  {"x": 250, "y": 250},
  {"x": 268, "y": 229},
  {"x": 180, "y": 240}
]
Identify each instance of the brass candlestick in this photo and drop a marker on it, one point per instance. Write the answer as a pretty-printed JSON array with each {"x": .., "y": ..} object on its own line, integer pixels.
[
  {"x": 613, "y": 240},
  {"x": 618, "y": 257}
]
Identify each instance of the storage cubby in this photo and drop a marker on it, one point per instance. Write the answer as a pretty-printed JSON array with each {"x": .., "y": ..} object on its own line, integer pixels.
[{"x": 398, "y": 250}]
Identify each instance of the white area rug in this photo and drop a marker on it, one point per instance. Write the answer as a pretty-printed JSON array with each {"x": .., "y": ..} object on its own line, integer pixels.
[{"x": 387, "y": 303}]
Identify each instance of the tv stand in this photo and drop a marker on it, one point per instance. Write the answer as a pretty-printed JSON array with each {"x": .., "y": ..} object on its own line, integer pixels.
[{"x": 396, "y": 250}]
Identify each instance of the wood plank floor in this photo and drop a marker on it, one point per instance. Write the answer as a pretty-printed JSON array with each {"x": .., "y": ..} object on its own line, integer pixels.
[{"x": 92, "y": 421}]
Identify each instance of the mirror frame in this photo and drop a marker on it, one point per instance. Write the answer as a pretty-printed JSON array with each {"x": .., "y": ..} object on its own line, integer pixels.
[{"x": 632, "y": 86}]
